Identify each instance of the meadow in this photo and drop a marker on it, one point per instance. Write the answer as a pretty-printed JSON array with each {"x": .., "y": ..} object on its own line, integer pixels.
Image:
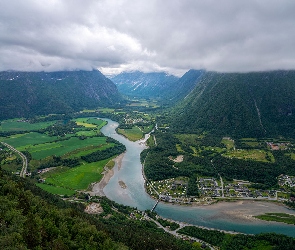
[
  {"x": 62, "y": 147},
  {"x": 133, "y": 134},
  {"x": 56, "y": 190},
  {"x": 19, "y": 125},
  {"x": 78, "y": 178},
  {"x": 19, "y": 141},
  {"x": 251, "y": 154}
]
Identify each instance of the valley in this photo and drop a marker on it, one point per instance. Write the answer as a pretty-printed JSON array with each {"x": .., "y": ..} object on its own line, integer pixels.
[{"x": 186, "y": 166}]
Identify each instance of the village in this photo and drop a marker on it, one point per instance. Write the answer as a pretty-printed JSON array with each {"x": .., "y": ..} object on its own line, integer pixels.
[{"x": 174, "y": 190}]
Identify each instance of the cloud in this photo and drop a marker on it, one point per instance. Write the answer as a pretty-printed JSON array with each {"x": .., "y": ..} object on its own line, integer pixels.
[{"x": 116, "y": 35}]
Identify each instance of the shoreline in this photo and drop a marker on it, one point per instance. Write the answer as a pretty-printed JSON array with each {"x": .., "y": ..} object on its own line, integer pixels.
[{"x": 97, "y": 187}]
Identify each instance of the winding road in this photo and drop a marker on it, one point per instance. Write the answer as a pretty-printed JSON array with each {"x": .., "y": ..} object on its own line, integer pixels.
[{"x": 24, "y": 159}]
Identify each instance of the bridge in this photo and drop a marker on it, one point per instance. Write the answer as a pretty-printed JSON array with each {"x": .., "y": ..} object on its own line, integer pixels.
[{"x": 154, "y": 207}]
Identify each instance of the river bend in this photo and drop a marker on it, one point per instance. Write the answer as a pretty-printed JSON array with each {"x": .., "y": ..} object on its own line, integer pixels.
[{"x": 229, "y": 216}]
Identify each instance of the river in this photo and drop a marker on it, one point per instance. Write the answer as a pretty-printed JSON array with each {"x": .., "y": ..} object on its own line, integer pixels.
[{"x": 229, "y": 216}]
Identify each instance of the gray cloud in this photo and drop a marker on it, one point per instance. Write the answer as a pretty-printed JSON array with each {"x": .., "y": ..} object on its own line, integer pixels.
[{"x": 174, "y": 35}]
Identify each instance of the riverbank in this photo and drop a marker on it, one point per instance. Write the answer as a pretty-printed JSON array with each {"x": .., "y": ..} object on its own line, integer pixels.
[{"x": 97, "y": 188}]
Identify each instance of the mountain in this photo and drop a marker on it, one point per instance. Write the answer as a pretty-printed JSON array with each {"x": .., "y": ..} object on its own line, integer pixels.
[
  {"x": 140, "y": 84},
  {"x": 185, "y": 85},
  {"x": 240, "y": 104},
  {"x": 24, "y": 94}
]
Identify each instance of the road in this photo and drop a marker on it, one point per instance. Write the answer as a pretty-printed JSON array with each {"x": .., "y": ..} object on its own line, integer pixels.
[
  {"x": 176, "y": 234},
  {"x": 24, "y": 159}
]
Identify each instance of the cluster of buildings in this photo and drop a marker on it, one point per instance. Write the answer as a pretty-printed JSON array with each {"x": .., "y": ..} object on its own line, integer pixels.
[
  {"x": 286, "y": 181},
  {"x": 175, "y": 190},
  {"x": 134, "y": 120},
  {"x": 278, "y": 146}
]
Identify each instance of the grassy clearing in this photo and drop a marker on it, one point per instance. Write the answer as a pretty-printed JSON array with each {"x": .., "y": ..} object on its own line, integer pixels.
[
  {"x": 146, "y": 129},
  {"x": 132, "y": 134},
  {"x": 189, "y": 139},
  {"x": 229, "y": 143},
  {"x": 194, "y": 150},
  {"x": 15, "y": 125},
  {"x": 278, "y": 217},
  {"x": 178, "y": 148},
  {"x": 253, "y": 154},
  {"x": 78, "y": 178},
  {"x": 56, "y": 190},
  {"x": 292, "y": 155},
  {"x": 33, "y": 138}
]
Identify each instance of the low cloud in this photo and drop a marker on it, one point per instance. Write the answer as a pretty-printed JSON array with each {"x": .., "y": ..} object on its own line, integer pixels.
[{"x": 148, "y": 35}]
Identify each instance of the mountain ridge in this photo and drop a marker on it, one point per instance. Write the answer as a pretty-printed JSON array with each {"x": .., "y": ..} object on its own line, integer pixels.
[
  {"x": 37, "y": 93},
  {"x": 241, "y": 104}
]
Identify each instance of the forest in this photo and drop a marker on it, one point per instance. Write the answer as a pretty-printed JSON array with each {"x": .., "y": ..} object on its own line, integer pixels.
[{"x": 31, "y": 218}]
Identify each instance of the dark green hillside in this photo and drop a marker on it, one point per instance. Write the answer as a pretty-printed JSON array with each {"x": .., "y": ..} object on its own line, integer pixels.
[
  {"x": 185, "y": 85},
  {"x": 240, "y": 104},
  {"x": 24, "y": 94},
  {"x": 31, "y": 218}
]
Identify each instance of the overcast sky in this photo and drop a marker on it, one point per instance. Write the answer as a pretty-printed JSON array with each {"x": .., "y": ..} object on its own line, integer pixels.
[{"x": 147, "y": 35}]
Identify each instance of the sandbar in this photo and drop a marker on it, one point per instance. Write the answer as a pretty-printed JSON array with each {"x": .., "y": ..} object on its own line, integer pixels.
[{"x": 97, "y": 187}]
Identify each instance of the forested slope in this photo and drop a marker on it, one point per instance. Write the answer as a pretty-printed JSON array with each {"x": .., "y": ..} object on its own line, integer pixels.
[
  {"x": 24, "y": 94},
  {"x": 240, "y": 104},
  {"x": 185, "y": 85},
  {"x": 31, "y": 218}
]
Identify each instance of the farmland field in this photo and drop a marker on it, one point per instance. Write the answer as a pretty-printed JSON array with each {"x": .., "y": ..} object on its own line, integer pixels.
[
  {"x": 88, "y": 150},
  {"x": 32, "y": 138},
  {"x": 15, "y": 125},
  {"x": 132, "y": 134},
  {"x": 78, "y": 178},
  {"x": 90, "y": 122},
  {"x": 55, "y": 190},
  {"x": 62, "y": 147}
]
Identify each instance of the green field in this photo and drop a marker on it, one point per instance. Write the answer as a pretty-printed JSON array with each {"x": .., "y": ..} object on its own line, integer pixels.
[
  {"x": 60, "y": 148},
  {"x": 90, "y": 122},
  {"x": 56, "y": 190},
  {"x": 88, "y": 150},
  {"x": 78, "y": 178},
  {"x": 32, "y": 138},
  {"x": 253, "y": 154},
  {"x": 87, "y": 133},
  {"x": 133, "y": 134},
  {"x": 16, "y": 125}
]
